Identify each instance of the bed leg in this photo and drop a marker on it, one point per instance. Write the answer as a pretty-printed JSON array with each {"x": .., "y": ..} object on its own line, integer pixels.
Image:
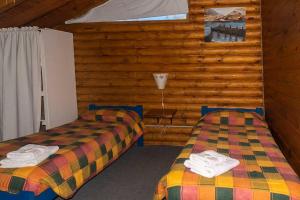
[{"x": 140, "y": 142}]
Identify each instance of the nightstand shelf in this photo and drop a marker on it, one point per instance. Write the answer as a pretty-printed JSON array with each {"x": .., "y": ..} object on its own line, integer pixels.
[
  {"x": 161, "y": 114},
  {"x": 164, "y": 128}
]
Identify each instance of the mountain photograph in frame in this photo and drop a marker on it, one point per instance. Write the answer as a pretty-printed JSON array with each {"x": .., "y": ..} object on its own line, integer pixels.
[{"x": 226, "y": 24}]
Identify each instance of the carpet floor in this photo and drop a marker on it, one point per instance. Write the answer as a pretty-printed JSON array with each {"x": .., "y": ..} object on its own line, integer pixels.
[{"x": 132, "y": 177}]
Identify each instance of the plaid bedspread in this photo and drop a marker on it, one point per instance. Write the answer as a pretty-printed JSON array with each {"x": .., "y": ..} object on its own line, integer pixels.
[
  {"x": 86, "y": 147},
  {"x": 263, "y": 172}
]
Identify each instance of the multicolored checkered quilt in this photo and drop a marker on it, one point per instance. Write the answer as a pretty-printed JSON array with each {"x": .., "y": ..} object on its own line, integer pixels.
[
  {"x": 263, "y": 172},
  {"x": 86, "y": 147}
]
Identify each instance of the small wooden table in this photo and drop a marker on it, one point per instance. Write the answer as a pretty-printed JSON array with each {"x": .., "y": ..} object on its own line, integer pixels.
[{"x": 161, "y": 114}]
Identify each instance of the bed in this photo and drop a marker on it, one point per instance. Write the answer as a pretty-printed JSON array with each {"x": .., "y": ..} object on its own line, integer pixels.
[
  {"x": 263, "y": 172},
  {"x": 87, "y": 146}
]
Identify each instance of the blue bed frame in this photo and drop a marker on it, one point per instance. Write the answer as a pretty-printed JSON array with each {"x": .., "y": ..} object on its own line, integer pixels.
[
  {"x": 49, "y": 194},
  {"x": 206, "y": 109}
]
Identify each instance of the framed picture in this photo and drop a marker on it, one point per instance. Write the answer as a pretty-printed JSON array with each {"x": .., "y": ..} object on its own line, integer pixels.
[{"x": 225, "y": 24}]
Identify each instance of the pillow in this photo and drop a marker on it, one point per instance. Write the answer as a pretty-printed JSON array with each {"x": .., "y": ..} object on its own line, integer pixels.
[
  {"x": 115, "y": 115},
  {"x": 110, "y": 115},
  {"x": 234, "y": 118},
  {"x": 89, "y": 115}
]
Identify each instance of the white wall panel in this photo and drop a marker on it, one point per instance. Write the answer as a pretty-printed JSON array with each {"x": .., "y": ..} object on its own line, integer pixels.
[{"x": 59, "y": 78}]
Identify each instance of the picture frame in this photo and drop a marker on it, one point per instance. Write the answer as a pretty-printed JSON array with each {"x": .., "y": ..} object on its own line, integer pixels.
[{"x": 227, "y": 24}]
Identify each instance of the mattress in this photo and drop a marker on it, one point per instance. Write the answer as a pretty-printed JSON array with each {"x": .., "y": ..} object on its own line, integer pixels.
[
  {"x": 87, "y": 146},
  {"x": 263, "y": 172}
]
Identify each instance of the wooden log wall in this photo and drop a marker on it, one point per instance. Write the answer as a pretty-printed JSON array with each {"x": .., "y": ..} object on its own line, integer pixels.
[
  {"x": 115, "y": 62},
  {"x": 281, "y": 20}
]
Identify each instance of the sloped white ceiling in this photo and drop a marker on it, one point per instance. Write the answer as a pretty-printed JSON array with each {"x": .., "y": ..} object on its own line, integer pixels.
[{"x": 115, "y": 10}]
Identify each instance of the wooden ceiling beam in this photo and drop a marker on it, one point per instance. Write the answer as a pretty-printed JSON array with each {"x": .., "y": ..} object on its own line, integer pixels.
[
  {"x": 11, "y": 5},
  {"x": 27, "y": 11},
  {"x": 4, "y": 3},
  {"x": 70, "y": 10},
  {"x": 44, "y": 13}
]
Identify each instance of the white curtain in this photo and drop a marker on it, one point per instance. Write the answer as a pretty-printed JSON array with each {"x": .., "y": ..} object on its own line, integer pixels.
[
  {"x": 20, "y": 82},
  {"x": 114, "y": 10}
]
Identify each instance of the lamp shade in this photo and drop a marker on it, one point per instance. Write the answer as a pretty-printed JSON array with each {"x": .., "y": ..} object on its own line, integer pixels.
[{"x": 161, "y": 80}]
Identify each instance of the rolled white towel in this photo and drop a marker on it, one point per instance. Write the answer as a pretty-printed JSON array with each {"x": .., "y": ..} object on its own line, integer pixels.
[
  {"x": 11, "y": 163},
  {"x": 227, "y": 165},
  {"x": 201, "y": 170},
  {"x": 207, "y": 158},
  {"x": 32, "y": 151},
  {"x": 210, "y": 170},
  {"x": 27, "y": 156}
]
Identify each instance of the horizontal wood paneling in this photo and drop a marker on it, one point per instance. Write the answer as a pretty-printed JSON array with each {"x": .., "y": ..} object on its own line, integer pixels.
[
  {"x": 115, "y": 62},
  {"x": 282, "y": 74}
]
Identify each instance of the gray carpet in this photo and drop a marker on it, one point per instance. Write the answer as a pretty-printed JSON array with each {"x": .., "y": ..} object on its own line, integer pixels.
[{"x": 131, "y": 177}]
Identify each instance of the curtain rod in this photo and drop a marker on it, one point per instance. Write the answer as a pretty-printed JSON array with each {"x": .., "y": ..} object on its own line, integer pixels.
[{"x": 12, "y": 28}]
